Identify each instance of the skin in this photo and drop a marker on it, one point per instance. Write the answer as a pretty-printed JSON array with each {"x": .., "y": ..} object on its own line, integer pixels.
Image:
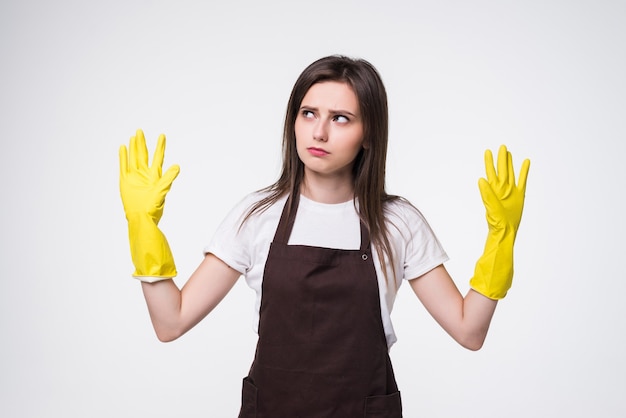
[{"x": 329, "y": 120}]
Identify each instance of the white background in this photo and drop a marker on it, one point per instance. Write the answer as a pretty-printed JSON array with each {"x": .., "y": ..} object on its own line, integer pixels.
[{"x": 547, "y": 78}]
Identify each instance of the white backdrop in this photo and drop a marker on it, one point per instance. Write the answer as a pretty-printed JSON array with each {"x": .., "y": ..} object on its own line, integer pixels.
[{"x": 547, "y": 78}]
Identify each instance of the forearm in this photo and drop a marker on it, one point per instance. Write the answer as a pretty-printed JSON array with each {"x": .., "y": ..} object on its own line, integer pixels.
[
  {"x": 173, "y": 312},
  {"x": 163, "y": 299},
  {"x": 465, "y": 319},
  {"x": 476, "y": 317}
]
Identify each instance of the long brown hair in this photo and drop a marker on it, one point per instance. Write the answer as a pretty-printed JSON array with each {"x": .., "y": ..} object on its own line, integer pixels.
[{"x": 369, "y": 165}]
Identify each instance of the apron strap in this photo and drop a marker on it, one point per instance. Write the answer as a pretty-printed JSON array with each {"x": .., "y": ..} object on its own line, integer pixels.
[
  {"x": 287, "y": 219},
  {"x": 365, "y": 237}
]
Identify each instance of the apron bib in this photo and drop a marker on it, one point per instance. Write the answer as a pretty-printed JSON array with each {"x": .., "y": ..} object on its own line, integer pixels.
[{"x": 322, "y": 350}]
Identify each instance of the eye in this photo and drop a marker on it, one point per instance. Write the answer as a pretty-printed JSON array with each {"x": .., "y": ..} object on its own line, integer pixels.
[
  {"x": 341, "y": 119},
  {"x": 308, "y": 114}
]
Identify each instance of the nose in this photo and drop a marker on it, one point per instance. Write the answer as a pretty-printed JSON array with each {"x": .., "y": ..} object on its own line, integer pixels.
[{"x": 320, "y": 131}]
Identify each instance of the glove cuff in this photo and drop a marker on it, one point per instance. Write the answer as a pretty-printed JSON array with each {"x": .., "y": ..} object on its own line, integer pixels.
[
  {"x": 150, "y": 251},
  {"x": 493, "y": 274},
  {"x": 151, "y": 279}
]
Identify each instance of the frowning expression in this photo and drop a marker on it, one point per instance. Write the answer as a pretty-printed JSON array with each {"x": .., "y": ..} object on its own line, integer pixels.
[{"x": 329, "y": 129}]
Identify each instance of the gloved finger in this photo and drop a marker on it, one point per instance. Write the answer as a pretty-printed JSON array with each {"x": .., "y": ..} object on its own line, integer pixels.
[
  {"x": 510, "y": 170},
  {"x": 168, "y": 178},
  {"x": 123, "y": 161},
  {"x": 523, "y": 174},
  {"x": 502, "y": 164},
  {"x": 159, "y": 154},
  {"x": 489, "y": 197},
  {"x": 489, "y": 167},
  {"x": 141, "y": 150},
  {"x": 132, "y": 153}
]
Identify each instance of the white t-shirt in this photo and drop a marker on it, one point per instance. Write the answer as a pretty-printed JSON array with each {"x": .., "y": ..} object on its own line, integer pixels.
[{"x": 415, "y": 246}]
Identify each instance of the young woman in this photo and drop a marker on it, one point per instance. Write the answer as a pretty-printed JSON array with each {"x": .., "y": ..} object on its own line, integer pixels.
[{"x": 325, "y": 249}]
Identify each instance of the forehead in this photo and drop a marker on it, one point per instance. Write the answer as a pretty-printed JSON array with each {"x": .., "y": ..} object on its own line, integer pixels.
[{"x": 331, "y": 95}]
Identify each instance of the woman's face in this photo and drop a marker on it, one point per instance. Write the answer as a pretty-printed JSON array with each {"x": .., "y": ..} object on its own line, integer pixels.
[{"x": 329, "y": 130}]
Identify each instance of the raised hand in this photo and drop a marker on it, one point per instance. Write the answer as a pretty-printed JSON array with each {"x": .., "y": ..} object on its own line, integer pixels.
[
  {"x": 143, "y": 190},
  {"x": 503, "y": 199},
  {"x": 142, "y": 187},
  {"x": 504, "y": 203}
]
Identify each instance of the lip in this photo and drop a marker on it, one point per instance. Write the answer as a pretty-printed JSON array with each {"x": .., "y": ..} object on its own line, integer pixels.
[{"x": 317, "y": 152}]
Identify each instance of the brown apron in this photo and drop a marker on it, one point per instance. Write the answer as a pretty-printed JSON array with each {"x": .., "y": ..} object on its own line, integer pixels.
[{"x": 322, "y": 350}]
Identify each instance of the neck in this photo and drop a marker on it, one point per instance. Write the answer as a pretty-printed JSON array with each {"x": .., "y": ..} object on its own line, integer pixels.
[{"x": 327, "y": 190}]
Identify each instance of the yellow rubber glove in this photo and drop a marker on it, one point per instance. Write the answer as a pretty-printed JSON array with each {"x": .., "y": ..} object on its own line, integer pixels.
[
  {"x": 504, "y": 202},
  {"x": 143, "y": 191}
]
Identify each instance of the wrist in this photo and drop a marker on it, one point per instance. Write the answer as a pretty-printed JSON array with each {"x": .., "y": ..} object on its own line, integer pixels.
[
  {"x": 140, "y": 218},
  {"x": 502, "y": 233}
]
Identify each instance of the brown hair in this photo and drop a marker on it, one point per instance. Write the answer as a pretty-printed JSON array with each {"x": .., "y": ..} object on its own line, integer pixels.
[{"x": 369, "y": 165}]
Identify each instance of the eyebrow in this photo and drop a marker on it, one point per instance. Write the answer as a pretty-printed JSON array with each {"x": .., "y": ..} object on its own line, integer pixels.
[{"x": 331, "y": 111}]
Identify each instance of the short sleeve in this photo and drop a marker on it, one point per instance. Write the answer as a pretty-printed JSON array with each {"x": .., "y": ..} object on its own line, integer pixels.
[
  {"x": 420, "y": 250},
  {"x": 232, "y": 240}
]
